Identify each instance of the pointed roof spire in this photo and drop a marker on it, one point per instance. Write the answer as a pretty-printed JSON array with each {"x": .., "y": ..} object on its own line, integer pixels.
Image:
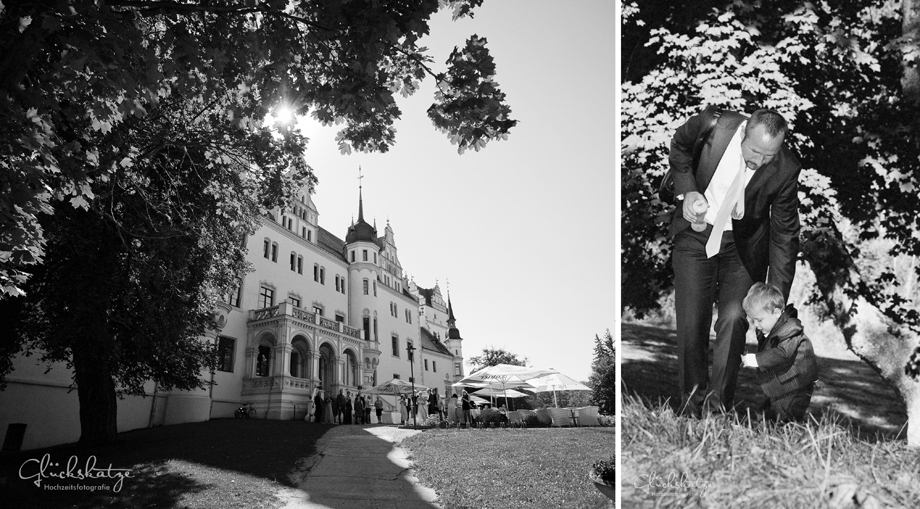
[
  {"x": 360, "y": 197},
  {"x": 450, "y": 310},
  {"x": 360, "y": 230}
]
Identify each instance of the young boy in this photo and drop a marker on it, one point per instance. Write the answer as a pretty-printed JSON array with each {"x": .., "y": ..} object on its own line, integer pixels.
[{"x": 785, "y": 360}]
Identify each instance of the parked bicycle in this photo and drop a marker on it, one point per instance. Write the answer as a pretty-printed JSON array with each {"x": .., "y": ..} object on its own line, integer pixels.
[{"x": 244, "y": 413}]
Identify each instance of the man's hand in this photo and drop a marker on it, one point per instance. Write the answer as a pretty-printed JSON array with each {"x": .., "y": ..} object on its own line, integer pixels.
[
  {"x": 749, "y": 360},
  {"x": 693, "y": 211}
]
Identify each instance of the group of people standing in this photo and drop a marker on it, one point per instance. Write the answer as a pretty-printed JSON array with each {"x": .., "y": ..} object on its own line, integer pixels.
[
  {"x": 345, "y": 408},
  {"x": 420, "y": 405},
  {"x": 426, "y": 403}
]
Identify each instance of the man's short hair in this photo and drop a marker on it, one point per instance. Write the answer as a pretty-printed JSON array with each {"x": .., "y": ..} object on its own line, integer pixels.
[
  {"x": 773, "y": 123},
  {"x": 763, "y": 296}
]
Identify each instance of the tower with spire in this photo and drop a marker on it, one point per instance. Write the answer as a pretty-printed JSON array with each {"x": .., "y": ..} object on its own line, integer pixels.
[
  {"x": 454, "y": 341},
  {"x": 362, "y": 253}
]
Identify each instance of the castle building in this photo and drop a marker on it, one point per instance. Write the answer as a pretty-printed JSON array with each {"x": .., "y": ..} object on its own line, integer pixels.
[{"x": 317, "y": 313}]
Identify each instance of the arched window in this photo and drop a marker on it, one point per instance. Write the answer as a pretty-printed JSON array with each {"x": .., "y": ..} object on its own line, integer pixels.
[
  {"x": 299, "y": 356},
  {"x": 295, "y": 364},
  {"x": 263, "y": 360}
]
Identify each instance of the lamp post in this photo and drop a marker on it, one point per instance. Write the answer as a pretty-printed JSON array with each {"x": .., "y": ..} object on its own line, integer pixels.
[{"x": 411, "y": 350}]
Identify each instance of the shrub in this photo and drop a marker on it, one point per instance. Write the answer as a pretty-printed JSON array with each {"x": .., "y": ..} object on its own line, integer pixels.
[
  {"x": 532, "y": 421},
  {"x": 488, "y": 416},
  {"x": 431, "y": 422},
  {"x": 606, "y": 420},
  {"x": 604, "y": 471}
]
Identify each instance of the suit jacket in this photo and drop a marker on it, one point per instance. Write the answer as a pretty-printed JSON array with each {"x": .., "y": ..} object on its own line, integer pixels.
[
  {"x": 786, "y": 359},
  {"x": 768, "y": 234}
]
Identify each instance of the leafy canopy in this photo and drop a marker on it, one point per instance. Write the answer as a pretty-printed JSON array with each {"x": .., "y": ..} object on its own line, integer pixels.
[{"x": 72, "y": 73}]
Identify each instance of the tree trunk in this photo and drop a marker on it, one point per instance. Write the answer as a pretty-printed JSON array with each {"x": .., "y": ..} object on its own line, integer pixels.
[
  {"x": 96, "y": 393},
  {"x": 883, "y": 344},
  {"x": 910, "y": 31}
]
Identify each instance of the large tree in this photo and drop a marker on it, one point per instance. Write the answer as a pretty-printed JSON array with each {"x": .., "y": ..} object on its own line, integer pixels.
[
  {"x": 603, "y": 374},
  {"x": 842, "y": 73},
  {"x": 492, "y": 356},
  {"x": 136, "y": 156}
]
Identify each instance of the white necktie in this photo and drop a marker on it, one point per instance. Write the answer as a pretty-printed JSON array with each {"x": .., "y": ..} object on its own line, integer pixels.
[{"x": 735, "y": 195}]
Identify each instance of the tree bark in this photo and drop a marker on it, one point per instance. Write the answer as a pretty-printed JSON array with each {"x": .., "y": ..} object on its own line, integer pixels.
[
  {"x": 910, "y": 31},
  {"x": 883, "y": 344},
  {"x": 97, "y": 397}
]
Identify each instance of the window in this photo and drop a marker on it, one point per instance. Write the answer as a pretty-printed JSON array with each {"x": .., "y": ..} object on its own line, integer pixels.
[
  {"x": 318, "y": 310},
  {"x": 375, "y": 288},
  {"x": 233, "y": 298},
  {"x": 266, "y": 297},
  {"x": 457, "y": 369},
  {"x": 395, "y": 346},
  {"x": 408, "y": 316},
  {"x": 293, "y": 260},
  {"x": 366, "y": 286},
  {"x": 225, "y": 347},
  {"x": 300, "y": 264},
  {"x": 310, "y": 235},
  {"x": 340, "y": 318},
  {"x": 364, "y": 254},
  {"x": 352, "y": 256},
  {"x": 303, "y": 231},
  {"x": 263, "y": 360},
  {"x": 275, "y": 252},
  {"x": 322, "y": 275},
  {"x": 366, "y": 325},
  {"x": 396, "y": 376},
  {"x": 266, "y": 248},
  {"x": 426, "y": 364},
  {"x": 336, "y": 282},
  {"x": 316, "y": 272},
  {"x": 375, "y": 257},
  {"x": 294, "y": 301},
  {"x": 343, "y": 284},
  {"x": 295, "y": 364},
  {"x": 375, "y": 327},
  {"x": 434, "y": 366}
]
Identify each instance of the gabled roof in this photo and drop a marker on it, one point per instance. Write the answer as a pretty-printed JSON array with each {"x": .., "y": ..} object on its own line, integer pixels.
[
  {"x": 331, "y": 243},
  {"x": 429, "y": 342}
]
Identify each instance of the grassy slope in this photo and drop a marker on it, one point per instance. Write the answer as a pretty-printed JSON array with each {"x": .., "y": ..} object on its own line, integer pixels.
[
  {"x": 670, "y": 461},
  {"x": 512, "y": 468},
  {"x": 848, "y": 452}
]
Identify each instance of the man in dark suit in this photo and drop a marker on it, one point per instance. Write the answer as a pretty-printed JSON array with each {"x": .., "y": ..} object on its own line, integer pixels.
[{"x": 746, "y": 172}]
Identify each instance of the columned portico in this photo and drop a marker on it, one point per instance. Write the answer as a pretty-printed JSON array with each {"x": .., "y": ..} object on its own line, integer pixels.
[{"x": 279, "y": 392}]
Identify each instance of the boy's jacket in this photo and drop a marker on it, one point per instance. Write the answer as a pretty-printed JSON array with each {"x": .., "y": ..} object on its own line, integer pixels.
[{"x": 786, "y": 358}]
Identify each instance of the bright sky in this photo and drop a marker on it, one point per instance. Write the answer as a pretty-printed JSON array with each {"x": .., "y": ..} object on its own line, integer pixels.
[{"x": 524, "y": 229}]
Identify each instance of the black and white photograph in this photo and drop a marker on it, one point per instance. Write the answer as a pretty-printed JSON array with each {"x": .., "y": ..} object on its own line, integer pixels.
[
  {"x": 309, "y": 254},
  {"x": 770, "y": 334}
]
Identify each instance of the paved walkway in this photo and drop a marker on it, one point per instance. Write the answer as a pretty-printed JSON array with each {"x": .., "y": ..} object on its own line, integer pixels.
[{"x": 360, "y": 467}]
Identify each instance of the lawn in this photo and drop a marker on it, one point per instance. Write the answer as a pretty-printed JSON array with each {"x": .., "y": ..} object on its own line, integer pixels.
[
  {"x": 851, "y": 453},
  {"x": 730, "y": 461},
  {"x": 500, "y": 468},
  {"x": 228, "y": 463},
  {"x": 223, "y": 463}
]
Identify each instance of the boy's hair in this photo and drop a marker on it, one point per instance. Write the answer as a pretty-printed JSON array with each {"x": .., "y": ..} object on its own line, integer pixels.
[{"x": 763, "y": 296}]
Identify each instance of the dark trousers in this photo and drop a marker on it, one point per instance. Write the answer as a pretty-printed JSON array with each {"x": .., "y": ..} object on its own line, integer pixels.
[
  {"x": 790, "y": 407},
  {"x": 699, "y": 282}
]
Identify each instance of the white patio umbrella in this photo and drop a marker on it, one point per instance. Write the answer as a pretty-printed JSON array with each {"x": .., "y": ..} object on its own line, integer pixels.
[
  {"x": 556, "y": 382},
  {"x": 478, "y": 400},
  {"x": 509, "y": 393},
  {"x": 393, "y": 387},
  {"x": 505, "y": 376}
]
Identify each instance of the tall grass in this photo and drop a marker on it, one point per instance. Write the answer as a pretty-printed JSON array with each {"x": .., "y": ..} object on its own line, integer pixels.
[{"x": 744, "y": 461}]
